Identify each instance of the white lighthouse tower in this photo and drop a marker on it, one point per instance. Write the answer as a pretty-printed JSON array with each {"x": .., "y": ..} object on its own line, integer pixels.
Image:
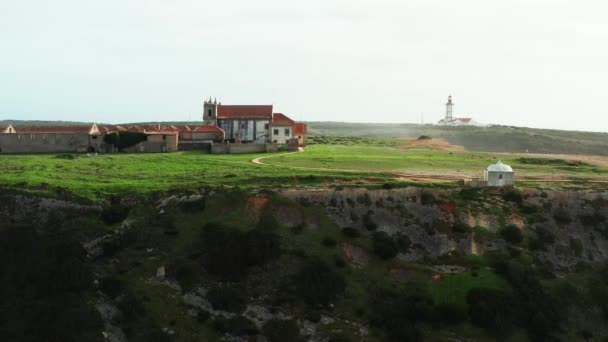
[{"x": 448, "y": 110}]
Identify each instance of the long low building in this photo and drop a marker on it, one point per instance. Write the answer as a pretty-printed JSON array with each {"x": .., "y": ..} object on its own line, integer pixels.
[
  {"x": 92, "y": 138},
  {"x": 48, "y": 139}
]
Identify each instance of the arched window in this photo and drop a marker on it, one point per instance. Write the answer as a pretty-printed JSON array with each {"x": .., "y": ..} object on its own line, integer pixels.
[{"x": 500, "y": 177}]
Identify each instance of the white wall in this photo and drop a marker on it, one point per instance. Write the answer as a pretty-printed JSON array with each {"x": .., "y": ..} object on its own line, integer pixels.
[{"x": 281, "y": 137}]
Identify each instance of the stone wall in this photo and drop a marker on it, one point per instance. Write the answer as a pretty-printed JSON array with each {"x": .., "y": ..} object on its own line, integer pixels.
[
  {"x": 242, "y": 148},
  {"x": 49, "y": 142}
]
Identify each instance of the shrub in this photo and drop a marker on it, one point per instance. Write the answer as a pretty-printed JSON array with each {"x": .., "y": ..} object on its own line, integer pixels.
[
  {"x": 227, "y": 299},
  {"x": 513, "y": 196},
  {"x": 543, "y": 238},
  {"x": 351, "y": 232},
  {"x": 329, "y": 242},
  {"x": 387, "y": 186},
  {"x": 131, "y": 306},
  {"x": 112, "y": 286},
  {"x": 592, "y": 220},
  {"x": 282, "y": 330},
  {"x": 384, "y": 246},
  {"x": 238, "y": 325},
  {"x": 115, "y": 212},
  {"x": 450, "y": 313},
  {"x": 396, "y": 311},
  {"x": 562, "y": 216},
  {"x": 124, "y": 139},
  {"x": 577, "y": 247},
  {"x": 461, "y": 227},
  {"x": 231, "y": 253},
  {"x": 317, "y": 283},
  {"x": 403, "y": 241},
  {"x": 427, "y": 198},
  {"x": 187, "y": 274},
  {"x": 368, "y": 222},
  {"x": 511, "y": 234},
  {"x": 492, "y": 309}
]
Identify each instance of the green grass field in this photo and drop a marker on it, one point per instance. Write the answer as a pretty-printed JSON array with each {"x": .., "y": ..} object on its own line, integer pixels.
[
  {"x": 359, "y": 162},
  {"x": 111, "y": 174},
  {"x": 395, "y": 159}
]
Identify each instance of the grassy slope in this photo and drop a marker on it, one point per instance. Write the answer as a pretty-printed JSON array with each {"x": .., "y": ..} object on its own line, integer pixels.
[
  {"x": 495, "y": 138},
  {"x": 390, "y": 159},
  {"x": 140, "y": 174},
  {"x": 111, "y": 174}
]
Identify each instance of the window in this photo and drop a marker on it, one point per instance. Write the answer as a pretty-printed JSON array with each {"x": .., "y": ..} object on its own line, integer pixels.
[
  {"x": 94, "y": 137},
  {"x": 286, "y": 131},
  {"x": 500, "y": 177},
  {"x": 209, "y": 113},
  {"x": 276, "y": 131},
  {"x": 243, "y": 125},
  {"x": 265, "y": 126},
  {"x": 164, "y": 137}
]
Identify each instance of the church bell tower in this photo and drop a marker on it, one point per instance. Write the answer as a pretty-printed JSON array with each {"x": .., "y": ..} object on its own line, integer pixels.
[{"x": 210, "y": 112}]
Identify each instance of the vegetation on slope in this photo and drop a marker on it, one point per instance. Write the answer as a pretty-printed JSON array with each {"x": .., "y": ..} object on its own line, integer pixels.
[{"x": 493, "y": 138}]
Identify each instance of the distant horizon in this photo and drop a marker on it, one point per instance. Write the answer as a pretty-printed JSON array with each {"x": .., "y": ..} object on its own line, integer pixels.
[{"x": 9, "y": 121}]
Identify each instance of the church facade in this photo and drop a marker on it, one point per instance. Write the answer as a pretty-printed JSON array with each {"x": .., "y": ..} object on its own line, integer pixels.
[{"x": 253, "y": 123}]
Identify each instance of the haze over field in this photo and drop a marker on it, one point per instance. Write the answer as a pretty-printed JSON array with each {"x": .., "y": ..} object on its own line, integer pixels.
[{"x": 537, "y": 64}]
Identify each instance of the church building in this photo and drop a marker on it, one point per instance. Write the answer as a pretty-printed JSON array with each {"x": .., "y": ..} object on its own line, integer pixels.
[{"x": 252, "y": 123}]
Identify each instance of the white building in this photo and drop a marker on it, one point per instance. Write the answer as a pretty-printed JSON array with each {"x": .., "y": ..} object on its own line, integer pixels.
[
  {"x": 499, "y": 174},
  {"x": 450, "y": 120}
]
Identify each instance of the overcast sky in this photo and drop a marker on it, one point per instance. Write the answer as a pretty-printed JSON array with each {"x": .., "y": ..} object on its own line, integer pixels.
[{"x": 536, "y": 63}]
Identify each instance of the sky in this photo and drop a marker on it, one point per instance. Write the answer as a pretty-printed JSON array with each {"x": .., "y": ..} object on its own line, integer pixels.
[{"x": 533, "y": 63}]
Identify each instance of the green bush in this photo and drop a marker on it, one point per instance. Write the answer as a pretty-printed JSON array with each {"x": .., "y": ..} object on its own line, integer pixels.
[
  {"x": 594, "y": 219},
  {"x": 282, "y": 331},
  {"x": 385, "y": 246},
  {"x": 396, "y": 312},
  {"x": 112, "y": 286},
  {"x": 187, "y": 273},
  {"x": 492, "y": 309},
  {"x": 368, "y": 222},
  {"x": 315, "y": 282},
  {"x": 511, "y": 234},
  {"x": 427, "y": 198},
  {"x": 329, "y": 242},
  {"x": 231, "y": 253},
  {"x": 227, "y": 298},
  {"x": 562, "y": 216},
  {"x": 461, "y": 227},
  {"x": 513, "y": 196},
  {"x": 123, "y": 140},
  {"x": 351, "y": 232},
  {"x": 115, "y": 212},
  {"x": 450, "y": 313},
  {"x": 577, "y": 247},
  {"x": 238, "y": 325}
]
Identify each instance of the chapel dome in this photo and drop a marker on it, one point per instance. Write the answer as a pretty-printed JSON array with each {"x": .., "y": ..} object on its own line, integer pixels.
[{"x": 499, "y": 167}]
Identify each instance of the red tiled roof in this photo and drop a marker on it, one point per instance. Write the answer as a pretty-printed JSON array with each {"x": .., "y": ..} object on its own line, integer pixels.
[
  {"x": 54, "y": 129},
  {"x": 300, "y": 128},
  {"x": 207, "y": 129},
  {"x": 248, "y": 112},
  {"x": 280, "y": 119},
  {"x": 457, "y": 119}
]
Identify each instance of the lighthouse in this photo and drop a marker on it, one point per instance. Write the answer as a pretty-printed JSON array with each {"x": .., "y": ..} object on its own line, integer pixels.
[{"x": 448, "y": 110}]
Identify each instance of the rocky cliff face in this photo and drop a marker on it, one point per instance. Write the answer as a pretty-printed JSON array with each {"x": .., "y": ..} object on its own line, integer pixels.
[
  {"x": 571, "y": 225},
  {"x": 37, "y": 211}
]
